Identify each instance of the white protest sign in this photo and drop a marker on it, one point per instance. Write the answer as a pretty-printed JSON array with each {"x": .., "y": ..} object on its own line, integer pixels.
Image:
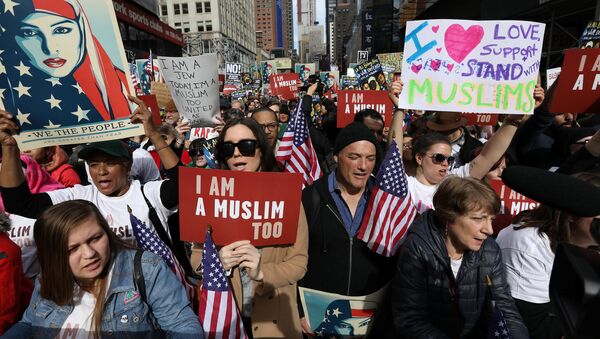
[
  {"x": 551, "y": 76},
  {"x": 471, "y": 66},
  {"x": 194, "y": 85}
]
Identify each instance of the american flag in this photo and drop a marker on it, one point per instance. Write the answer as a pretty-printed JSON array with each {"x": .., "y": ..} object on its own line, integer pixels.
[
  {"x": 390, "y": 210},
  {"x": 296, "y": 153},
  {"x": 497, "y": 327},
  {"x": 218, "y": 311},
  {"x": 148, "y": 240},
  {"x": 133, "y": 73},
  {"x": 150, "y": 67}
]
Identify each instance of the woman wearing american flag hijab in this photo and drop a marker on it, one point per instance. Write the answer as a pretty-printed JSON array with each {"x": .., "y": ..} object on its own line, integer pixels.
[{"x": 52, "y": 61}]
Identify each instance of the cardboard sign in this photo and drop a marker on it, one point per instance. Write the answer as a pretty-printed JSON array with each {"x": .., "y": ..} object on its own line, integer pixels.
[
  {"x": 160, "y": 90},
  {"x": 551, "y": 76},
  {"x": 351, "y": 102},
  {"x": 481, "y": 119},
  {"x": 194, "y": 85},
  {"x": 65, "y": 79},
  {"x": 471, "y": 66},
  {"x": 285, "y": 86},
  {"x": 152, "y": 104},
  {"x": 579, "y": 78},
  {"x": 512, "y": 203},
  {"x": 261, "y": 207}
]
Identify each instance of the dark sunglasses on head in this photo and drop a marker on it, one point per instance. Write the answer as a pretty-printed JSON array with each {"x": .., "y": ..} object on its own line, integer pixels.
[
  {"x": 438, "y": 158},
  {"x": 247, "y": 148}
]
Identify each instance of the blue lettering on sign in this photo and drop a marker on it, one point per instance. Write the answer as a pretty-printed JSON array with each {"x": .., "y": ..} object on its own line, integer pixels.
[{"x": 420, "y": 48}]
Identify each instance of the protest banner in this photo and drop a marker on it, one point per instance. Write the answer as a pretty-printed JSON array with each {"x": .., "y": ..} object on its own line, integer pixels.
[
  {"x": 348, "y": 82},
  {"x": 471, "y": 66},
  {"x": 332, "y": 315},
  {"x": 512, "y": 203},
  {"x": 152, "y": 104},
  {"x": 579, "y": 78},
  {"x": 330, "y": 81},
  {"x": 285, "y": 86},
  {"x": 370, "y": 75},
  {"x": 162, "y": 93},
  {"x": 194, "y": 85},
  {"x": 283, "y": 63},
  {"x": 78, "y": 92},
  {"x": 481, "y": 119},
  {"x": 146, "y": 74},
  {"x": 304, "y": 71},
  {"x": 350, "y": 102},
  {"x": 591, "y": 35},
  {"x": 551, "y": 76},
  {"x": 266, "y": 69},
  {"x": 238, "y": 206},
  {"x": 233, "y": 77},
  {"x": 203, "y": 132}
]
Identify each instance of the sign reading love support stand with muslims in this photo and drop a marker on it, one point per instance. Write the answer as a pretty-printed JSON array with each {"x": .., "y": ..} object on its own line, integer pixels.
[{"x": 471, "y": 66}]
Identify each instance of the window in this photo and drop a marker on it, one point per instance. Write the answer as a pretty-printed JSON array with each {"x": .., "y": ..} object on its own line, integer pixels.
[
  {"x": 186, "y": 27},
  {"x": 207, "y": 7},
  {"x": 208, "y": 25},
  {"x": 163, "y": 9},
  {"x": 198, "y": 7},
  {"x": 184, "y": 9},
  {"x": 177, "y": 9},
  {"x": 200, "y": 26}
]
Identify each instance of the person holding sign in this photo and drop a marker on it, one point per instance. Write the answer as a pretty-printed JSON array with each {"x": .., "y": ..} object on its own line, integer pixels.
[
  {"x": 89, "y": 289},
  {"x": 50, "y": 49},
  {"x": 263, "y": 280},
  {"x": 432, "y": 153},
  {"x": 440, "y": 289}
]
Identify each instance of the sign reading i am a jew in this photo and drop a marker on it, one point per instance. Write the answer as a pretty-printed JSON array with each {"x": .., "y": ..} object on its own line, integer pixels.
[{"x": 471, "y": 66}]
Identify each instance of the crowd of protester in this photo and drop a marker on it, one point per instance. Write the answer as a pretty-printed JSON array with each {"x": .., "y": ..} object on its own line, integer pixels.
[{"x": 69, "y": 265}]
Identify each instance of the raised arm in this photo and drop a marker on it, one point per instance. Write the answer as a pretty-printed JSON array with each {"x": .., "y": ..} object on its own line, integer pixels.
[
  {"x": 11, "y": 174},
  {"x": 396, "y": 132}
]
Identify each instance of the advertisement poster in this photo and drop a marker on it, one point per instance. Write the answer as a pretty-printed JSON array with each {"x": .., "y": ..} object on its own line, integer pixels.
[
  {"x": 579, "y": 78},
  {"x": 471, "y": 66},
  {"x": 332, "y": 315},
  {"x": 239, "y": 206},
  {"x": 351, "y": 102},
  {"x": 74, "y": 93},
  {"x": 194, "y": 85}
]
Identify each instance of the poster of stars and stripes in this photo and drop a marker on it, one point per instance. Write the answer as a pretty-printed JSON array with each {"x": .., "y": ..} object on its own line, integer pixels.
[{"x": 63, "y": 72}]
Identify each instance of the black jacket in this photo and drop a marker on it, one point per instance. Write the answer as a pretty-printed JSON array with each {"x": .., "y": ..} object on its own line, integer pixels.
[
  {"x": 422, "y": 305},
  {"x": 336, "y": 262}
]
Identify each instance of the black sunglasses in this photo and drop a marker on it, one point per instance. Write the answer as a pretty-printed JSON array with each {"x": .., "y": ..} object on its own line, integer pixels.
[
  {"x": 247, "y": 147},
  {"x": 438, "y": 158},
  {"x": 194, "y": 152}
]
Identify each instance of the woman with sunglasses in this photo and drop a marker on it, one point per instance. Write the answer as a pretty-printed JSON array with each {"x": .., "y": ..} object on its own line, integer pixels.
[
  {"x": 432, "y": 153},
  {"x": 263, "y": 280}
]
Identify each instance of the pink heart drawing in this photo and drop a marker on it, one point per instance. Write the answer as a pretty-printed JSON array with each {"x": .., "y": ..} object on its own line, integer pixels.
[
  {"x": 435, "y": 64},
  {"x": 439, "y": 49},
  {"x": 435, "y": 28},
  {"x": 416, "y": 68},
  {"x": 460, "y": 42},
  {"x": 450, "y": 67}
]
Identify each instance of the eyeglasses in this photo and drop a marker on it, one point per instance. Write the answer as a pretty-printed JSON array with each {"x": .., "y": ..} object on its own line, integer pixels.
[
  {"x": 247, "y": 147},
  {"x": 194, "y": 152},
  {"x": 270, "y": 126},
  {"x": 438, "y": 158}
]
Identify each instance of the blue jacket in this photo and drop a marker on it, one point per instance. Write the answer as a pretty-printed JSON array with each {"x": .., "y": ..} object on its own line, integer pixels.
[{"x": 125, "y": 314}]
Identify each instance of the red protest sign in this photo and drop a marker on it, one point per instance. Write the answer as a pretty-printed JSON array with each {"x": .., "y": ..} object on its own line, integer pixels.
[
  {"x": 576, "y": 88},
  {"x": 481, "y": 119},
  {"x": 152, "y": 104},
  {"x": 261, "y": 207},
  {"x": 512, "y": 203},
  {"x": 285, "y": 86},
  {"x": 351, "y": 102}
]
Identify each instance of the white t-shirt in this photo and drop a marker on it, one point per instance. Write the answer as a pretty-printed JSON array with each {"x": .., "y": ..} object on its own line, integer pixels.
[
  {"x": 455, "y": 265},
  {"x": 528, "y": 260},
  {"x": 114, "y": 209},
  {"x": 143, "y": 167},
  {"x": 21, "y": 233},
  {"x": 422, "y": 195},
  {"x": 78, "y": 324}
]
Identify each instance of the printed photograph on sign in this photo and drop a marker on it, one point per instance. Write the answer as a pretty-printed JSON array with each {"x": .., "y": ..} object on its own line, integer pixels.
[
  {"x": 74, "y": 92},
  {"x": 471, "y": 66},
  {"x": 370, "y": 75}
]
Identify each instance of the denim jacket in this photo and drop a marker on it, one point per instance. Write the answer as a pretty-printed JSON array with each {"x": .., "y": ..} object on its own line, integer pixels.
[{"x": 125, "y": 314}]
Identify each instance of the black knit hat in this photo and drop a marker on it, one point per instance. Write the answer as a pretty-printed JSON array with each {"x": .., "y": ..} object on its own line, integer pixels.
[{"x": 354, "y": 132}]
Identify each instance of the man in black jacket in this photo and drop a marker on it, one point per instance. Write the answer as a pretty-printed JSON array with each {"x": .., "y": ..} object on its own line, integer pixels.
[{"x": 335, "y": 204}]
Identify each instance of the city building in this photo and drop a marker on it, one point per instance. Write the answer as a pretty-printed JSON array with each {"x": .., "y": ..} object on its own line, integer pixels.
[
  {"x": 142, "y": 31},
  {"x": 345, "y": 12},
  {"x": 274, "y": 25},
  {"x": 226, "y": 28}
]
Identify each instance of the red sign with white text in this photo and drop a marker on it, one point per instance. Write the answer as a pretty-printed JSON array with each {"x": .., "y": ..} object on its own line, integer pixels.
[
  {"x": 285, "y": 86},
  {"x": 481, "y": 119},
  {"x": 262, "y": 207},
  {"x": 512, "y": 202},
  {"x": 578, "y": 84},
  {"x": 351, "y": 102}
]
